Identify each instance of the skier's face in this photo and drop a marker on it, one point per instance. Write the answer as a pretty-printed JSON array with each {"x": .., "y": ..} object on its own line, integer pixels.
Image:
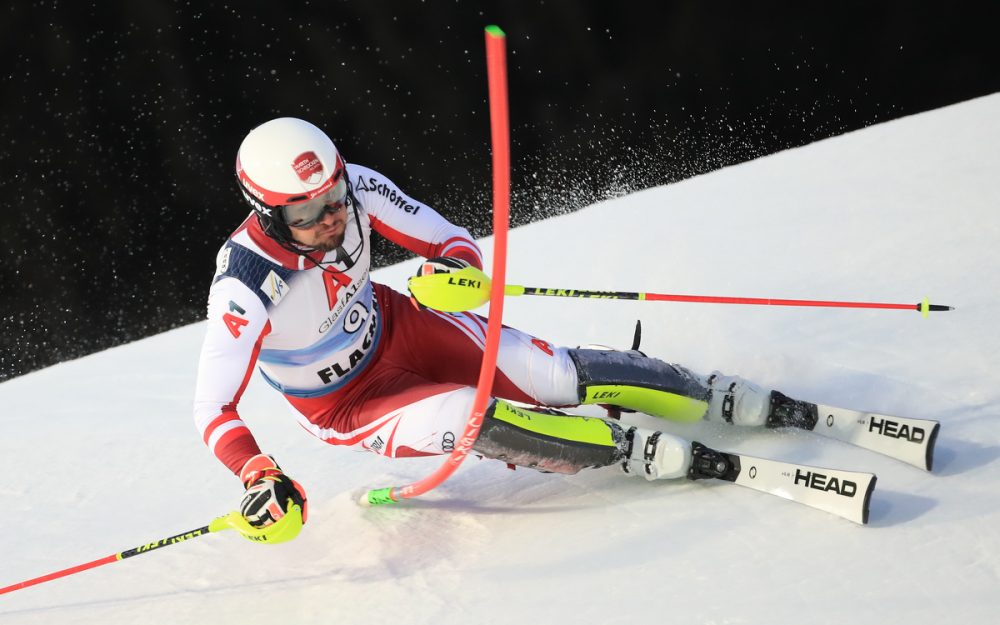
[{"x": 327, "y": 233}]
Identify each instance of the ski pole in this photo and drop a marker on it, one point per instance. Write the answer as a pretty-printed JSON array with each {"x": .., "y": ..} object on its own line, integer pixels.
[
  {"x": 469, "y": 288},
  {"x": 217, "y": 525},
  {"x": 924, "y": 307},
  {"x": 284, "y": 530},
  {"x": 496, "y": 62}
]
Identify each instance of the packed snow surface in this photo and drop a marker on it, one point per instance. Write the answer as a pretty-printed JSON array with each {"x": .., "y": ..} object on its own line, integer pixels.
[{"x": 101, "y": 454}]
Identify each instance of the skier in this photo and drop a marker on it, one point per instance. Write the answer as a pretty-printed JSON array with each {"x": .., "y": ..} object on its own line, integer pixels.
[{"x": 366, "y": 367}]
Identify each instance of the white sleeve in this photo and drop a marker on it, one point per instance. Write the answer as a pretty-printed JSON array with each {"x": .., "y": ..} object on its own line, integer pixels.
[
  {"x": 409, "y": 223},
  {"x": 237, "y": 324}
]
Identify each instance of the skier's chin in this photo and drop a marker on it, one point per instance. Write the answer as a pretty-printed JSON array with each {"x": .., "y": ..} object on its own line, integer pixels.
[{"x": 330, "y": 242}]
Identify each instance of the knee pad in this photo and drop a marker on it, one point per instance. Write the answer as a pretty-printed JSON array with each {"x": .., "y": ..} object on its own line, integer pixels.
[{"x": 632, "y": 380}]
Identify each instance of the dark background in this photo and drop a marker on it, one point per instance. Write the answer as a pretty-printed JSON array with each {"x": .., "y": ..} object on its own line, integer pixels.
[{"x": 120, "y": 120}]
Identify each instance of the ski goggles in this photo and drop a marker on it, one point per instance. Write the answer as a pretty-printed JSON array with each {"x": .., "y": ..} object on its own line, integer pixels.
[{"x": 306, "y": 213}]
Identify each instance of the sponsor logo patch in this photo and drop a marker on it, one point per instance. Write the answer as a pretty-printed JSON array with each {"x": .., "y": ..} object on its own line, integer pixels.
[
  {"x": 308, "y": 168},
  {"x": 274, "y": 287},
  {"x": 389, "y": 192},
  {"x": 222, "y": 262},
  {"x": 344, "y": 364},
  {"x": 249, "y": 187},
  {"x": 257, "y": 206}
]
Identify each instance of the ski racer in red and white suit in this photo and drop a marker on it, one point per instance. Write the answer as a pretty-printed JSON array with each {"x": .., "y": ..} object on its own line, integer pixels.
[
  {"x": 363, "y": 366},
  {"x": 358, "y": 362}
]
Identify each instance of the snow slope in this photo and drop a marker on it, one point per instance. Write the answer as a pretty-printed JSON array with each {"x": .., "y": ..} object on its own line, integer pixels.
[{"x": 101, "y": 455}]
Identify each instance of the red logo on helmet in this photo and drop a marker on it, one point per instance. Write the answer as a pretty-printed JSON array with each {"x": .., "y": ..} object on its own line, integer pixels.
[{"x": 308, "y": 168}]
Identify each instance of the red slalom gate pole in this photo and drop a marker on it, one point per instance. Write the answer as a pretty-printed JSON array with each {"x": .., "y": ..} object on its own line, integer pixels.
[{"x": 496, "y": 64}]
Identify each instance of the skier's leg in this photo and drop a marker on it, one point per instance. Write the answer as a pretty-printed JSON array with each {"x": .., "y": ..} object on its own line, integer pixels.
[
  {"x": 447, "y": 348},
  {"x": 632, "y": 380},
  {"x": 402, "y": 415},
  {"x": 562, "y": 443}
]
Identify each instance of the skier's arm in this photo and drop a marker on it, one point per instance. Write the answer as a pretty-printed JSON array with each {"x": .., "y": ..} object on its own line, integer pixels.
[
  {"x": 412, "y": 224},
  {"x": 237, "y": 323}
]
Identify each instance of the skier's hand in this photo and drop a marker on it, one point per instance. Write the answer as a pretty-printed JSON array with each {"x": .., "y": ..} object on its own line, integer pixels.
[
  {"x": 439, "y": 264},
  {"x": 270, "y": 494}
]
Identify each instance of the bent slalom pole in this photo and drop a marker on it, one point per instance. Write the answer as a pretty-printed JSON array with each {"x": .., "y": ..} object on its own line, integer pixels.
[
  {"x": 468, "y": 288},
  {"x": 500, "y": 135},
  {"x": 279, "y": 532}
]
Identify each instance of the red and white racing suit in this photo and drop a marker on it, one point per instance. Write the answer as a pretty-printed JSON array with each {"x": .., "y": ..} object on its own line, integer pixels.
[{"x": 359, "y": 364}]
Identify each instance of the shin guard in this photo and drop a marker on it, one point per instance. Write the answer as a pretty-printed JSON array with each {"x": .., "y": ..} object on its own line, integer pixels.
[
  {"x": 556, "y": 443},
  {"x": 634, "y": 381}
]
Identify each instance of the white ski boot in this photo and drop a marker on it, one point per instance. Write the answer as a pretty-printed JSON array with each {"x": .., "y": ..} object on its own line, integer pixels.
[
  {"x": 737, "y": 401},
  {"x": 656, "y": 455}
]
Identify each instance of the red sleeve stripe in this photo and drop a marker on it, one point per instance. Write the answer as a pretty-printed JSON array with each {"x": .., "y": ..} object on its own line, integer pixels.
[
  {"x": 227, "y": 436},
  {"x": 415, "y": 245},
  {"x": 231, "y": 407},
  {"x": 455, "y": 246},
  {"x": 214, "y": 434},
  {"x": 465, "y": 253},
  {"x": 430, "y": 250},
  {"x": 226, "y": 417}
]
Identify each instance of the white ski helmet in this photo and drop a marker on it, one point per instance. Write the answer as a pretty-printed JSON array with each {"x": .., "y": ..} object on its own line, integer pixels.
[{"x": 290, "y": 173}]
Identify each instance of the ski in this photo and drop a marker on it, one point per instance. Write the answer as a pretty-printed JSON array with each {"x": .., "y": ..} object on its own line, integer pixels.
[
  {"x": 909, "y": 440},
  {"x": 846, "y": 494}
]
